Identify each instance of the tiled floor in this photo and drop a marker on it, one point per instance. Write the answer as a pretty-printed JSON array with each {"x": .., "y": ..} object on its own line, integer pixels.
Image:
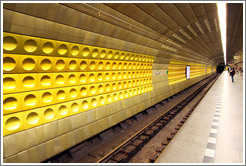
[{"x": 214, "y": 131}]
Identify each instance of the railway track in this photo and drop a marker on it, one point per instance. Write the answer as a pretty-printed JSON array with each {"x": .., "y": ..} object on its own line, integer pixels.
[{"x": 125, "y": 151}]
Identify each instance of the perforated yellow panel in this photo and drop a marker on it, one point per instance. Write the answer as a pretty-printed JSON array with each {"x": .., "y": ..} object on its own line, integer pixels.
[
  {"x": 177, "y": 70},
  {"x": 45, "y": 80}
]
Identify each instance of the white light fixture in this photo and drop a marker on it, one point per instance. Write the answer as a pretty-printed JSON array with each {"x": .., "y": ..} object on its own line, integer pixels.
[{"x": 221, "y": 8}]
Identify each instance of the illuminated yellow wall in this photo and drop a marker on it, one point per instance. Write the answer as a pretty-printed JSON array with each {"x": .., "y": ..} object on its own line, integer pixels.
[
  {"x": 45, "y": 80},
  {"x": 176, "y": 71}
]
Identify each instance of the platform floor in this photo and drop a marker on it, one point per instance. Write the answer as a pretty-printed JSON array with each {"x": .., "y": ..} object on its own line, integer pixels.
[{"x": 214, "y": 133}]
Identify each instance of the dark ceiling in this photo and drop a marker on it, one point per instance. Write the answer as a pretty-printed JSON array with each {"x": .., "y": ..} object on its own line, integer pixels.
[{"x": 234, "y": 30}]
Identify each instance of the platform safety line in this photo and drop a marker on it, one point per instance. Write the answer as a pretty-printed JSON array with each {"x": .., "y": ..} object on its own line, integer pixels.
[
  {"x": 182, "y": 125},
  {"x": 212, "y": 139},
  {"x": 118, "y": 147}
]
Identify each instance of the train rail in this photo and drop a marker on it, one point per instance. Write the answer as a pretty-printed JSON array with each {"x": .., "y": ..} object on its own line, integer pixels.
[{"x": 125, "y": 151}]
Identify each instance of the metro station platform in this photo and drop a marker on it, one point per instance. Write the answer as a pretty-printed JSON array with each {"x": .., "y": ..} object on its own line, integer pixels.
[{"x": 214, "y": 133}]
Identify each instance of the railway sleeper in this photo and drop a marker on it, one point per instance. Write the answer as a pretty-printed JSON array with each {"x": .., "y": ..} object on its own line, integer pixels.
[
  {"x": 130, "y": 150},
  {"x": 120, "y": 157},
  {"x": 144, "y": 138},
  {"x": 138, "y": 143},
  {"x": 149, "y": 133}
]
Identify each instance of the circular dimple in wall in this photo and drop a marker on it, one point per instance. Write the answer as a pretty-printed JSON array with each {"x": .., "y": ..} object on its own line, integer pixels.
[
  {"x": 85, "y": 52},
  {"x": 103, "y": 54},
  {"x": 100, "y": 89},
  {"x": 129, "y": 75},
  {"x": 140, "y": 74},
  {"x": 133, "y": 74},
  {"x": 60, "y": 80},
  {"x": 100, "y": 77},
  {"x": 121, "y": 96},
  {"x": 144, "y": 58},
  {"x": 109, "y": 99},
  {"x": 119, "y": 75},
  {"x": 94, "y": 102},
  {"x": 140, "y": 58},
  {"x": 125, "y": 66},
  {"x": 115, "y": 96},
  {"x": 134, "y": 66},
  {"x": 75, "y": 107},
  {"x": 94, "y": 53},
  {"x": 127, "y": 57},
  {"x": 28, "y": 64},
  {"x": 129, "y": 84},
  {"x": 72, "y": 65},
  {"x": 28, "y": 82},
  {"x": 141, "y": 66},
  {"x": 138, "y": 66},
  {"x": 116, "y": 55},
  {"x": 72, "y": 79},
  {"x": 30, "y": 100},
  {"x": 139, "y": 90},
  {"x": 126, "y": 94},
  {"x": 119, "y": 85},
  {"x": 136, "y": 58},
  {"x": 83, "y": 91},
  {"x": 62, "y": 49},
  {"x": 10, "y": 104},
  {"x": 32, "y": 118},
  {"x": 133, "y": 83},
  {"x": 83, "y": 65},
  {"x": 93, "y": 90},
  {"x": 132, "y": 57},
  {"x": 107, "y": 76},
  {"x": 120, "y": 66},
  {"x": 130, "y": 66},
  {"x": 63, "y": 110},
  {"x": 107, "y": 66},
  {"x": 85, "y": 104},
  {"x": 75, "y": 51},
  {"x": 137, "y": 83},
  {"x": 45, "y": 81},
  {"x": 30, "y": 46},
  {"x": 45, "y": 64},
  {"x": 9, "y": 43},
  {"x": 61, "y": 95},
  {"x": 100, "y": 65},
  {"x": 48, "y": 48},
  {"x": 114, "y": 66},
  {"x": 113, "y": 76},
  {"x": 60, "y": 64},
  {"x": 107, "y": 87},
  {"x": 12, "y": 123},
  {"x": 49, "y": 114},
  {"x": 124, "y": 85},
  {"x": 73, "y": 93},
  {"x": 114, "y": 86},
  {"x": 102, "y": 100},
  {"x": 47, "y": 97},
  {"x": 135, "y": 92},
  {"x": 92, "y": 65},
  {"x": 9, "y": 84},
  {"x": 92, "y": 78},
  {"x": 122, "y": 56},
  {"x": 110, "y": 54},
  {"x": 82, "y": 78},
  {"x": 130, "y": 93},
  {"x": 8, "y": 64},
  {"x": 124, "y": 75}
]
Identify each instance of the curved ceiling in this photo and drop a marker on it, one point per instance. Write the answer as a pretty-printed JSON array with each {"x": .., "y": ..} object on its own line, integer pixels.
[{"x": 183, "y": 31}]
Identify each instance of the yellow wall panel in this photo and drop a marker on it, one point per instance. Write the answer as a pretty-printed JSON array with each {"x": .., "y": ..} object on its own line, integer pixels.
[
  {"x": 75, "y": 51},
  {"x": 10, "y": 63},
  {"x": 30, "y": 100},
  {"x": 62, "y": 48},
  {"x": 48, "y": 47},
  {"x": 49, "y": 113},
  {"x": 28, "y": 64},
  {"x": 30, "y": 45},
  {"x": 60, "y": 64},
  {"x": 72, "y": 64},
  {"x": 47, "y": 97},
  {"x": 28, "y": 82},
  {"x": 45, "y": 64},
  {"x": 12, "y": 123},
  {"x": 11, "y": 43},
  {"x": 11, "y": 83},
  {"x": 11, "y": 103},
  {"x": 32, "y": 118}
]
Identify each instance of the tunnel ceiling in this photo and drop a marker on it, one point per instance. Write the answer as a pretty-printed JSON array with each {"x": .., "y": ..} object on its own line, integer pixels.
[{"x": 183, "y": 31}]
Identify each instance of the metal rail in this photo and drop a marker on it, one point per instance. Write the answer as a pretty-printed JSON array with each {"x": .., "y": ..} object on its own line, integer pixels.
[{"x": 125, "y": 151}]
